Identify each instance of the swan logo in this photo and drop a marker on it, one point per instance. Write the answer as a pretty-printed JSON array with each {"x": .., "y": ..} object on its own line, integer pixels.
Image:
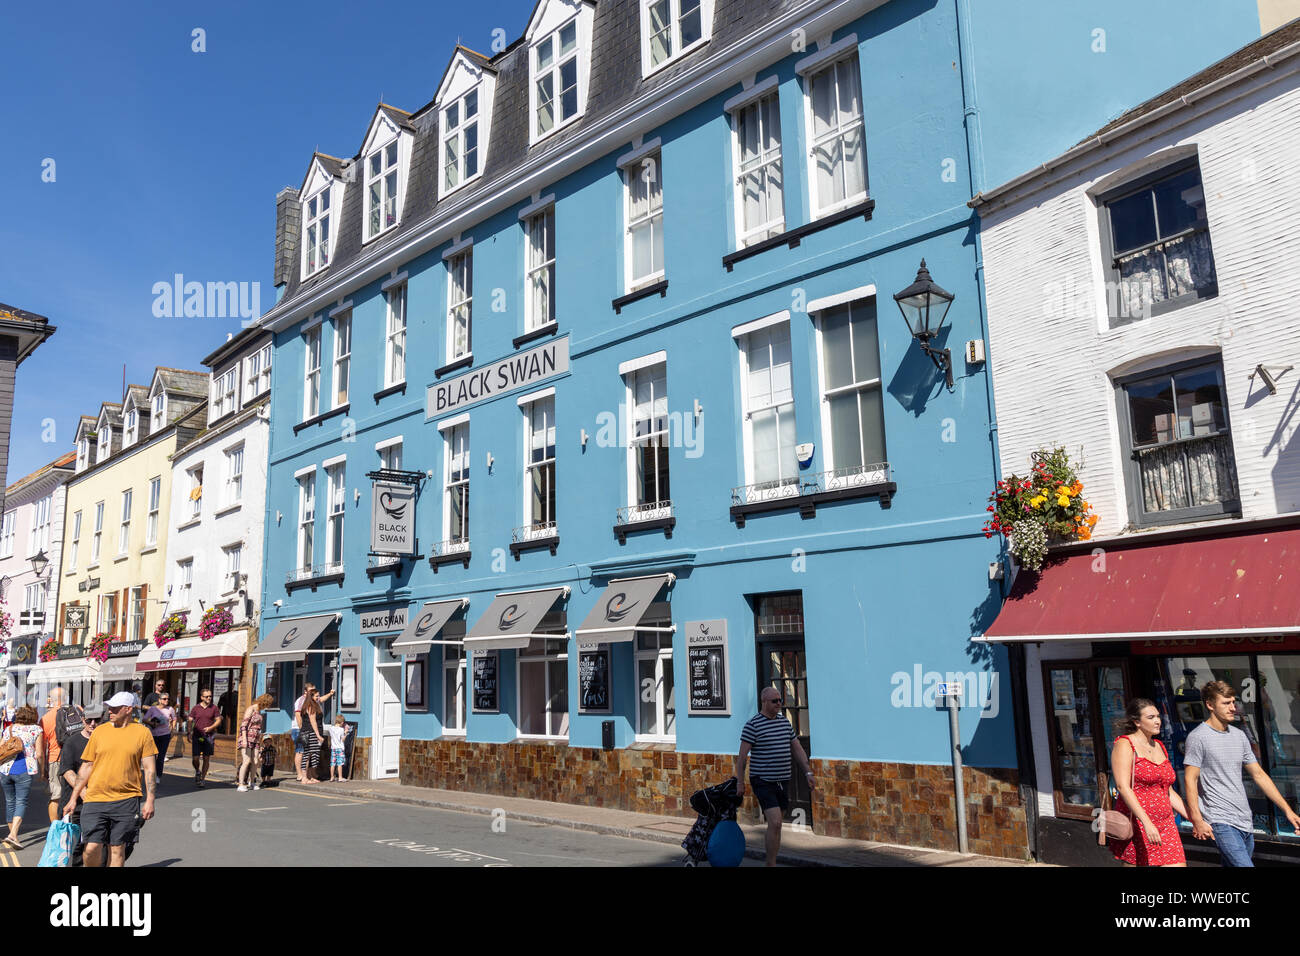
[
  {"x": 510, "y": 616},
  {"x": 288, "y": 637},
  {"x": 397, "y": 510},
  {"x": 424, "y": 624},
  {"x": 616, "y": 610}
]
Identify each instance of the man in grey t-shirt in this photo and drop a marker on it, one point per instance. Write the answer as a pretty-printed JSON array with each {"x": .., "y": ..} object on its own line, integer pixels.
[{"x": 1215, "y": 755}]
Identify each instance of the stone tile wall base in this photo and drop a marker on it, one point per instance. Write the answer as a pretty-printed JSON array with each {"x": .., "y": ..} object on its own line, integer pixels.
[
  {"x": 888, "y": 802},
  {"x": 360, "y": 756}
]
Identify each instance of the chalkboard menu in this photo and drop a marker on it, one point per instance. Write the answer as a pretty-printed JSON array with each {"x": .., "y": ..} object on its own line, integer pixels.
[
  {"x": 593, "y": 679},
  {"x": 485, "y": 665},
  {"x": 706, "y": 667}
]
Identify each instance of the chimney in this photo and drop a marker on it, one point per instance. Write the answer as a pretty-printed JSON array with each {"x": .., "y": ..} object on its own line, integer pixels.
[{"x": 288, "y": 231}]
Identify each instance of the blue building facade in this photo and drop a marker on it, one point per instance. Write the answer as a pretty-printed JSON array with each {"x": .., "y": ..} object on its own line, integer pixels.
[{"x": 617, "y": 309}]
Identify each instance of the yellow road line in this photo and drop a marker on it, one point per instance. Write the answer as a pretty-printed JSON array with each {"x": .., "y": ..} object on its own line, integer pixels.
[{"x": 336, "y": 795}]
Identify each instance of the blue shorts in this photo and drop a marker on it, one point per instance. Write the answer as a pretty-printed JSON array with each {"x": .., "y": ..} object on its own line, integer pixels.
[
  {"x": 770, "y": 793},
  {"x": 336, "y": 758},
  {"x": 297, "y": 743}
]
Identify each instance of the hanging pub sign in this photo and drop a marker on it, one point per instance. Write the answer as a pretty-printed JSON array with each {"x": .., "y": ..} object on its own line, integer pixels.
[
  {"x": 706, "y": 667},
  {"x": 392, "y": 518},
  {"x": 484, "y": 666},
  {"x": 75, "y": 616},
  {"x": 593, "y": 679},
  {"x": 22, "y": 652}
]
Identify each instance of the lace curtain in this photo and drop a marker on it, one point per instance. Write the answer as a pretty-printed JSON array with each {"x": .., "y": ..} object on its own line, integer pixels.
[
  {"x": 1188, "y": 474},
  {"x": 1154, "y": 275}
]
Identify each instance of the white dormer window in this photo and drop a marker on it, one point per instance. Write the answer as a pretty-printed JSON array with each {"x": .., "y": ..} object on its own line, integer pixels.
[
  {"x": 258, "y": 377},
  {"x": 105, "y": 444},
  {"x": 159, "y": 410},
  {"x": 672, "y": 28},
  {"x": 224, "y": 389},
  {"x": 132, "y": 431},
  {"x": 316, "y": 214},
  {"x": 460, "y": 154},
  {"x": 555, "y": 79},
  {"x": 381, "y": 190},
  {"x": 83, "y": 454}
]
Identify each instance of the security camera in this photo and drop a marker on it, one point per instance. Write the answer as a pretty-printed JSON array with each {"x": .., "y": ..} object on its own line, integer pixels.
[{"x": 277, "y": 603}]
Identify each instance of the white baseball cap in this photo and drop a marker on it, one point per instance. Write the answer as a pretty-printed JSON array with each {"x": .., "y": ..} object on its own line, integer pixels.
[{"x": 122, "y": 698}]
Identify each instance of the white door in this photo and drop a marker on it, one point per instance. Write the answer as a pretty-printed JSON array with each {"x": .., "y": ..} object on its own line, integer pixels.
[{"x": 388, "y": 720}]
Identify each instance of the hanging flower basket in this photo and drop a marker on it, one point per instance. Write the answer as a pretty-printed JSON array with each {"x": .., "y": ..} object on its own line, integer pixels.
[
  {"x": 1040, "y": 509},
  {"x": 6, "y": 627},
  {"x": 49, "y": 650},
  {"x": 216, "y": 620},
  {"x": 98, "y": 649},
  {"x": 172, "y": 627}
]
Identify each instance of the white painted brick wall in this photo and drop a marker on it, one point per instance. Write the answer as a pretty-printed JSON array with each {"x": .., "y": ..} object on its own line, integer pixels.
[{"x": 1051, "y": 353}]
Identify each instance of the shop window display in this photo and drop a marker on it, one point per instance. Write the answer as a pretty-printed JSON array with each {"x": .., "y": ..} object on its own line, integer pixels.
[{"x": 1086, "y": 700}]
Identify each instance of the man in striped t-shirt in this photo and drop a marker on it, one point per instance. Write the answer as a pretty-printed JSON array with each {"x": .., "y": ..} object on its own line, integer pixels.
[{"x": 771, "y": 739}]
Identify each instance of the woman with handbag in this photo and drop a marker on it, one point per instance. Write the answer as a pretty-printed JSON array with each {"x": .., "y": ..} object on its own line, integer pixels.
[
  {"x": 1145, "y": 779},
  {"x": 21, "y": 753},
  {"x": 309, "y": 733}
]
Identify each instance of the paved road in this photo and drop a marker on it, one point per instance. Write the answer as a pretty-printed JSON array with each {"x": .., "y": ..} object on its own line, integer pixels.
[{"x": 218, "y": 826}]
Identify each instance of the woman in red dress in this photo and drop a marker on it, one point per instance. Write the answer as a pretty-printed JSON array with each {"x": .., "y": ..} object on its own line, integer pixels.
[{"x": 1145, "y": 778}]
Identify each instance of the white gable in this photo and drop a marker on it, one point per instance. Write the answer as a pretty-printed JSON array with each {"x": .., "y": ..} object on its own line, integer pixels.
[
  {"x": 551, "y": 15},
  {"x": 382, "y": 131},
  {"x": 463, "y": 74},
  {"x": 317, "y": 179}
]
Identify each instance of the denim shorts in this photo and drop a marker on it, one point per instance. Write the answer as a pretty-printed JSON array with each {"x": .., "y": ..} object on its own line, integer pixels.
[
  {"x": 1235, "y": 846},
  {"x": 16, "y": 787}
]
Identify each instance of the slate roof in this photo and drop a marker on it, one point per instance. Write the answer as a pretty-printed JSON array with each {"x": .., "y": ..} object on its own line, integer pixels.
[
  {"x": 64, "y": 462},
  {"x": 13, "y": 312},
  {"x": 1283, "y": 36},
  {"x": 184, "y": 381},
  {"x": 614, "y": 81}
]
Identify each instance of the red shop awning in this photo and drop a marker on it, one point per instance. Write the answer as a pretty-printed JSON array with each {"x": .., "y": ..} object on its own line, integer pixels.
[
  {"x": 1240, "y": 584},
  {"x": 194, "y": 654}
]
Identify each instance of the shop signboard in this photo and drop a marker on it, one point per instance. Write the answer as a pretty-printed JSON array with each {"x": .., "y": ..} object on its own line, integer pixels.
[
  {"x": 593, "y": 679},
  {"x": 75, "y": 616},
  {"x": 484, "y": 668},
  {"x": 126, "y": 648},
  {"x": 706, "y": 667},
  {"x": 1235, "y": 644},
  {"x": 22, "y": 652},
  {"x": 69, "y": 652},
  {"x": 383, "y": 620},
  {"x": 509, "y": 375},
  {"x": 392, "y": 518}
]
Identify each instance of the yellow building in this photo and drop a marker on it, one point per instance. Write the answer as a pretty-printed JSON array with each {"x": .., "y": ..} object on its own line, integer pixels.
[{"x": 115, "y": 533}]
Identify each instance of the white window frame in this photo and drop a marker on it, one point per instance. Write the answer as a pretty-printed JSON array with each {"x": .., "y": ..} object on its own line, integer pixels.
[
  {"x": 847, "y": 54},
  {"x": 523, "y": 657},
  {"x": 536, "y": 74},
  {"x": 35, "y": 598},
  {"x": 395, "y": 335},
  {"x": 107, "y": 622},
  {"x": 105, "y": 446},
  {"x": 124, "y": 530},
  {"x": 676, "y": 48},
  {"x": 389, "y": 154},
  {"x": 766, "y": 160},
  {"x": 455, "y": 135},
  {"x": 336, "y": 485},
  {"x": 306, "y": 519},
  {"x": 159, "y": 412},
  {"x": 390, "y": 454},
  {"x": 316, "y": 255},
  {"x": 97, "y": 541},
  {"x": 648, "y": 169},
  {"x": 456, "y": 708},
  {"x": 311, "y": 383},
  {"x": 135, "y": 612},
  {"x": 460, "y": 299},
  {"x": 527, "y": 406},
  {"x": 634, "y": 442},
  {"x": 234, "y": 475},
  {"x": 83, "y": 454},
  {"x": 8, "y": 533},
  {"x": 748, "y": 410},
  {"x": 457, "y": 434},
  {"x": 258, "y": 376},
  {"x": 825, "y": 394},
  {"x": 196, "y": 482},
  {"x": 228, "y": 391},
  {"x": 663, "y": 658},
  {"x": 74, "y": 544},
  {"x": 233, "y": 555},
  {"x": 130, "y": 428},
  {"x": 155, "y": 504},
  {"x": 539, "y": 268},
  {"x": 342, "y": 358},
  {"x": 184, "y": 583},
  {"x": 38, "y": 535}
]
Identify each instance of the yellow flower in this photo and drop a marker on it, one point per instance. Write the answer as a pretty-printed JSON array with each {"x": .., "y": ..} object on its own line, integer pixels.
[
  {"x": 1037, "y": 501},
  {"x": 1063, "y": 500}
]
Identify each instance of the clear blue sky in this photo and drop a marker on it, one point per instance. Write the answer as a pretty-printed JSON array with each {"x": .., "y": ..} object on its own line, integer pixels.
[{"x": 168, "y": 161}]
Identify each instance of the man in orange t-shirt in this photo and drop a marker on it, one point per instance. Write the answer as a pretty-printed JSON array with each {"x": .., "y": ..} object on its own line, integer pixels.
[
  {"x": 117, "y": 755},
  {"x": 52, "y": 751}
]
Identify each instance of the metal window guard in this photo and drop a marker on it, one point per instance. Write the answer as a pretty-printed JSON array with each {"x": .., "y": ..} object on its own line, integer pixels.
[{"x": 806, "y": 492}]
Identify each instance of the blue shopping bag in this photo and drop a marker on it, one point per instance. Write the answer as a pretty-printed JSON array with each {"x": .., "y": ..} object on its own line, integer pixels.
[
  {"x": 727, "y": 844},
  {"x": 62, "y": 839}
]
